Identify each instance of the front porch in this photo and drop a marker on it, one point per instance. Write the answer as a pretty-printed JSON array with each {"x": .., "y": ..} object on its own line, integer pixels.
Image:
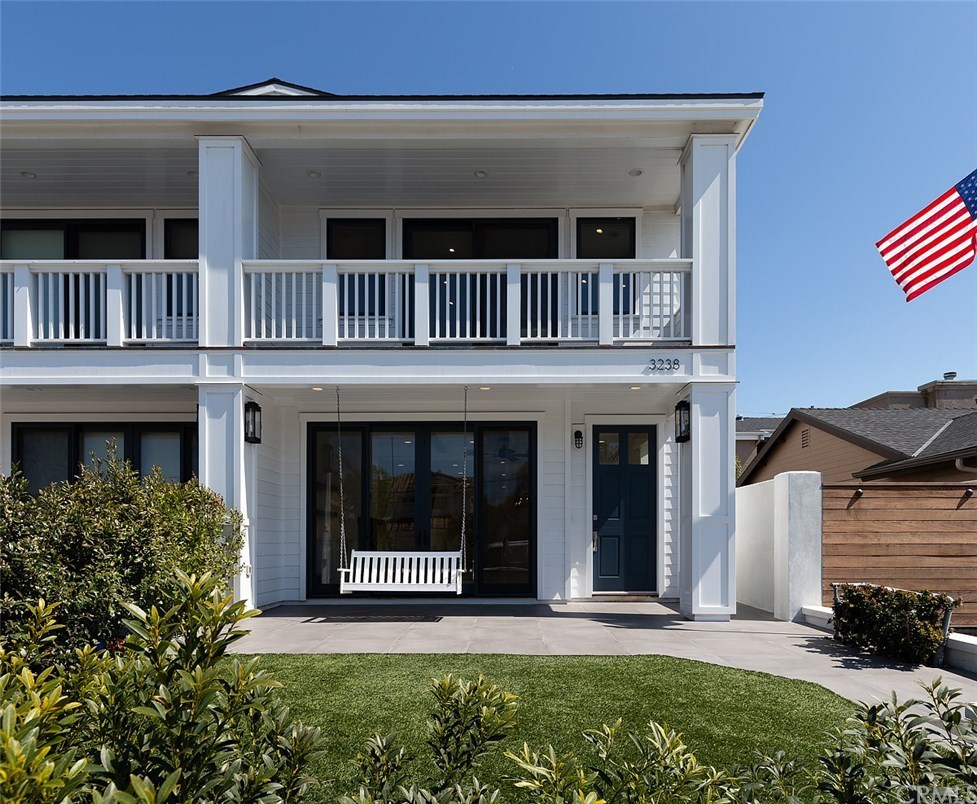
[{"x": 750, "y": 641}]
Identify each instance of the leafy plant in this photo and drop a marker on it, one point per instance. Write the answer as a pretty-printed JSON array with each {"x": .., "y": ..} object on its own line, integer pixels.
[
  {"x": 109, "y": 537},
  {"x": 167, "y": 718},
  {"x": 903, "y": 625}
]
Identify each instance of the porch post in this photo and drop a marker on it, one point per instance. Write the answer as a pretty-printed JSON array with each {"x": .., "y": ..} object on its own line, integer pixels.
[
  {"x": 228, "y": 210},
  {"x": 709, "y": 235},
  {"x": 222, "y": 462},
  {"x": 23, "y": 306},
  {"x": 115, "y": 319},
  {"x": 708, "y": 483}
]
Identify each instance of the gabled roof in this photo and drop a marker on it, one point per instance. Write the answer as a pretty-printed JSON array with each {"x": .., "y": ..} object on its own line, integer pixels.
[
  {"x": 277, "y": 89},
  {"x": 897, "y": 436},
  {"x": 956, "y": 439},
  {"x": 272, "y": 86}
]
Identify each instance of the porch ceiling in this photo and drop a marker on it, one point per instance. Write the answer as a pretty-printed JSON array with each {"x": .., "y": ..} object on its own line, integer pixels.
[{"x": 355, "y": 173}]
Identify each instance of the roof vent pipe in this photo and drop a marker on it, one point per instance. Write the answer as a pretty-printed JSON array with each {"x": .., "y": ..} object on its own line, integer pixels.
[{"x": 949, "y": 376}]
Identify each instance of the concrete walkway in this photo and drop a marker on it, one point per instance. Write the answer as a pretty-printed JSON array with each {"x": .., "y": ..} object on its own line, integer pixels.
[{"x": 751, "y": 641}]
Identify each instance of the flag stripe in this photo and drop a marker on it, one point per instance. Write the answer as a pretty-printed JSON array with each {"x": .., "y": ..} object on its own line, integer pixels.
[
  {"x": 884, "y": 242},
  {"x": 964, "y": 262},
  {"x": 958, "y": 211},
  {"x": 964, "y": 244},
  {"x": 949, "y": 241}
]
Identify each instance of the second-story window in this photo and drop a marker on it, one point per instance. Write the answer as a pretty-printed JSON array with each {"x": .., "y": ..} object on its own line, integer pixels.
[
  {"x": 73, "y": 240},
  {"x": 181, "y": 239},
  {"x": 607, "y": 239},
  {"x": 356, "y": 239},
  {"x": 481, "y": 239}
]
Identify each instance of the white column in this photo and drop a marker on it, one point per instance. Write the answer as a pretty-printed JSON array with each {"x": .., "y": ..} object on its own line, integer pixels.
[
  {"x": 513, "y": 299},
  {"x": 228, "y": 209},
  {"x": 605, "y": 304},
  {"x": 708, "y": 478},
  {"x": 422, "y": 305},
  {"x": 115, "y": 302},
  {"x": 709, "y": 235},
  {"x": 330, "y": 305},
  {"x": 23, "y": 306},
  {"x": 222, "y": 461}
]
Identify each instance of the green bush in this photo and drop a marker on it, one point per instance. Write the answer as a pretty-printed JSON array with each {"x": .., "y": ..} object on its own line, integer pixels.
[
  {"x": 108, "y": 537},
  {"x": 902, "y": 625},
  {"x": 920, "y": 750},
  {"x": 167, "y": 718}
]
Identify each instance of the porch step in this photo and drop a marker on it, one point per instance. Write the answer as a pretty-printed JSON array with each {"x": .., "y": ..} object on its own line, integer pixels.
[{"x": 623, "y": 597}]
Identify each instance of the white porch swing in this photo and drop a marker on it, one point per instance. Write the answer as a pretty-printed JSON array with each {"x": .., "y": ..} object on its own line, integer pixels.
[{"x": 396, "y": 571}]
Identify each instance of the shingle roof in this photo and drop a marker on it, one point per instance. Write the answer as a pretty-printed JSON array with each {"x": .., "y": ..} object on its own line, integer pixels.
[
  {"x": 899, "y": 433},
  {"x": 754, "y": 424},
  {"x": 960, "y": 434}
]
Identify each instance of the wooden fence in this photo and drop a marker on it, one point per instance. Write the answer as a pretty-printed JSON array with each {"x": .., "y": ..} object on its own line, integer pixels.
[{"x": 909, "y": 535}]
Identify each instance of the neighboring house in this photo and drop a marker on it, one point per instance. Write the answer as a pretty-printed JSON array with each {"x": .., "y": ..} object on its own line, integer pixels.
[
  {"x": 174, "y": 264},
  {"x": 865, "y": 444},
  {"x": 751, "y": 433}
]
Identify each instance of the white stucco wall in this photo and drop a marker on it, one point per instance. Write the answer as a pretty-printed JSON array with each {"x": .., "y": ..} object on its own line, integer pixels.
[{"x": 778, "y": 544}]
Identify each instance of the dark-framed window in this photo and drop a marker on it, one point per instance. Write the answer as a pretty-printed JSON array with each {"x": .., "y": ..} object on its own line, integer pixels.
[
  {"x": 356, "y": 239},
  {"x": 53, "y": 452},
  {"x": 181, "y": 238},
  {"x": 607, "y": 239},
  {"x": 88, "y": 239},
  {"x": 481, "y": 238},
  {"x": 401, "y": 487}
]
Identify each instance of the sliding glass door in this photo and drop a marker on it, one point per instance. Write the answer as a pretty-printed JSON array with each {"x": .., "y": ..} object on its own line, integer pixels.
[{"x": 420, "y": 487}]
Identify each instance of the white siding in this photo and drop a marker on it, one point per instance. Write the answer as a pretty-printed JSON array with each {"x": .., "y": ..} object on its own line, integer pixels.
[
  {"x": 269, "y": 229},
  {"x": 267, "y": 517},
  {"x": 300, "y": 233},
  {"x": 660, "y": 235}
]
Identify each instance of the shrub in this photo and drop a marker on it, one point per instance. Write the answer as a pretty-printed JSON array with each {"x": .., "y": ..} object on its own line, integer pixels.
[
  {"x": 919, "y": 750},
  {"x": 902, "y": 625},
  {"x": 108, "y": 537},
  {"x": 165, "y": 719}
]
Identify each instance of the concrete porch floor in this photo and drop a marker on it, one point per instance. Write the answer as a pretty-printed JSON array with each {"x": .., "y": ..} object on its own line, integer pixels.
[{"x": 750, "y": 641}]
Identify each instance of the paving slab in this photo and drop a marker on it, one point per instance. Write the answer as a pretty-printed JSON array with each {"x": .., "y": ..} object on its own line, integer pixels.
[{"x": 750, "y": 641}]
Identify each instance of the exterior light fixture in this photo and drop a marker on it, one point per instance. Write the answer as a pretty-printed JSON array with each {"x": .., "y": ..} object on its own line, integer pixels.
[
  {"x": 27, "y": 174},
  {"x": 683, "y": 422},
  {"x": 635, "y": 387},
  {"x": 316, "y": 387},
  {"x": 635, "y": 172},
  {"x": 578, "y": 439},
  {"x": 252, "y": 422},
  {"x": 313, "y": 174},
  {"x": 481, "y": 174}
]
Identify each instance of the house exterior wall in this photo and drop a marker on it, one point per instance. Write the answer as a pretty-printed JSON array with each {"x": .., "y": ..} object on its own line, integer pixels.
[{"x": 834, "y": 457}]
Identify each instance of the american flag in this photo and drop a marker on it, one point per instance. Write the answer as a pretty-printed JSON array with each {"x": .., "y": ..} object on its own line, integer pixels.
[{"x": 936, "y": 242}]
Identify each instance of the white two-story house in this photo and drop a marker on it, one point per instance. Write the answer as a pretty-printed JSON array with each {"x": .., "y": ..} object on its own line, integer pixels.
[{"x": 196, "y": 277}]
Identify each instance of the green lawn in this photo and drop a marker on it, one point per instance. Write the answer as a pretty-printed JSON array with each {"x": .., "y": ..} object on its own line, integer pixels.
[{"x": 726, "y": 715}]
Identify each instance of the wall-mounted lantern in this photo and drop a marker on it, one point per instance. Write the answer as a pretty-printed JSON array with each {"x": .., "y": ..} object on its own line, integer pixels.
[
  {"x": 578, "y": 439},
  {"x": 683, "y": 422},
  {"x": 252, "y": 422}
]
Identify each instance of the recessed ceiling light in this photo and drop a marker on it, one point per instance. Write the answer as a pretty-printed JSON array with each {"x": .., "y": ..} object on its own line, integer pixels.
[
  {"x": 599, "y": 231},
  {"x": 485, "y": 388},
  {"x": 635, "y": 172},
  {"x": 28, "y": 175},
  {"x": 636, "y": 387},
  {"x": 316, "y": 388},
  {"x": 192, "y": 174},
  {"x": 451, "y": 250},
  {"x": 481, "y": 174},
  {"x": 313, "y": 174}
]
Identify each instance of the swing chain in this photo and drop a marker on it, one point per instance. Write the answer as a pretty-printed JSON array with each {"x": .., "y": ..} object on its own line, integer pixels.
[{"x": 343, "y": 558}]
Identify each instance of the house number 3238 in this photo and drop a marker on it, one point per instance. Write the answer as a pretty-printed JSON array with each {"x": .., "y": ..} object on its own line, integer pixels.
[{"x": 664, "y": 364}]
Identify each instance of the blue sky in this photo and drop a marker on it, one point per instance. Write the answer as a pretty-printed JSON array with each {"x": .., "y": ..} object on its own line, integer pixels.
[{"x": 871, "y": 112}]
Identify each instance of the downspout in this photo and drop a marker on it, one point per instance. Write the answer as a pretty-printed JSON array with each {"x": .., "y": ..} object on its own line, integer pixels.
[{"x": 962, "y": 467}]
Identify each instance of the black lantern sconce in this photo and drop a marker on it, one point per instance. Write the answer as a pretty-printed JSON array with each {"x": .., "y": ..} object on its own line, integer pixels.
[
  {"x": 578, "y": 439},
  {"x": 683, "y": 422},
  {"x": 252, "y": 422}
]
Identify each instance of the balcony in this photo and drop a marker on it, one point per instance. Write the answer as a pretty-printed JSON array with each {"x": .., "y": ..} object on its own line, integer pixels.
[{"x": 308, "y": 303}]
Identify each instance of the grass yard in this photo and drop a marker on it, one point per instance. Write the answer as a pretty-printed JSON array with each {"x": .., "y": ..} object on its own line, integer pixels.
[{"x": 726, "y": 715}]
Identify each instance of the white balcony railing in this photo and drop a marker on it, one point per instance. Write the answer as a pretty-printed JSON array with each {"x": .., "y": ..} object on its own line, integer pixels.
[{"x": 321, "y": 303}]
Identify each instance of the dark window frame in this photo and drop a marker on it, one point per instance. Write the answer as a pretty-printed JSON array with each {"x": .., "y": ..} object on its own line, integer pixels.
[
  {"x": 477, "y": 228},
  {"x": 132, "y": 442},
  {"x": 423, "y": 429},
  {"x": 72, "y": 228}
]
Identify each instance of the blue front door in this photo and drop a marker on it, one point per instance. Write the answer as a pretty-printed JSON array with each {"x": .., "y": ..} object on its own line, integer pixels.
[{"x": 625, "y": 515}]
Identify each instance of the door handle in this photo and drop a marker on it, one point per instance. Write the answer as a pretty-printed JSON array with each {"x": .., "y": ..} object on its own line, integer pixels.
[{"x": 593, "y": 541}]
